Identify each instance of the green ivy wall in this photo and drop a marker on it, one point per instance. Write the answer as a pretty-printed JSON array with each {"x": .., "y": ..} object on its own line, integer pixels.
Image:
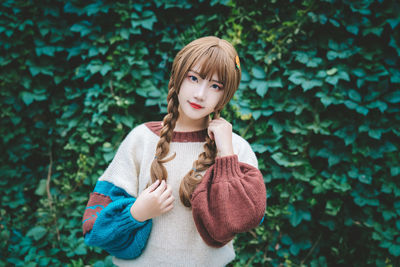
[{"x": 319, "y": 101}]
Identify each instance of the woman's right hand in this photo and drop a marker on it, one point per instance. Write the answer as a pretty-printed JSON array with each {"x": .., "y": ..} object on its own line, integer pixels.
[{"x": 153, "y": 201}]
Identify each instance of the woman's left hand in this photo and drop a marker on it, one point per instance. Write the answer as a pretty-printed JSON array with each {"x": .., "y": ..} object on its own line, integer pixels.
[{"x": 220, "y": 130}]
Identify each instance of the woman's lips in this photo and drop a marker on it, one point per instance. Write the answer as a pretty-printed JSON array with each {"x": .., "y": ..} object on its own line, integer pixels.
[{"x": 195, "y": 105}]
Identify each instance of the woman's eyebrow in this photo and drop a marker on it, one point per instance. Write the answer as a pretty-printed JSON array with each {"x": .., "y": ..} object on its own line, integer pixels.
[{"x": 203, "y": 77}]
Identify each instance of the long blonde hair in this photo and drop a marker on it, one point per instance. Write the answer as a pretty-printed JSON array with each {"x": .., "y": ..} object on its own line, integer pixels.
[{"x": 216, "y": 56}]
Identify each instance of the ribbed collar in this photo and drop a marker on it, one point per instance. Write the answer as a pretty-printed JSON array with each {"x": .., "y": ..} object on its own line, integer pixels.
[{"x": 182, "y": 137}]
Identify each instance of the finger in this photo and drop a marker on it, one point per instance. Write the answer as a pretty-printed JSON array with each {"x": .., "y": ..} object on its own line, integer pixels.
[
  {"x": 167, "y": 193},
  {"x": 161, "y": 187},
  {"x": 153, "y": 185},
  {"x": 168, "y": 208},
  {"x": 169, "y": 201}
]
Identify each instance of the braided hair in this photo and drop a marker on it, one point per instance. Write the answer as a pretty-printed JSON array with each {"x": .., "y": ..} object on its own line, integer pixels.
[{"x": 216, "y": 56}]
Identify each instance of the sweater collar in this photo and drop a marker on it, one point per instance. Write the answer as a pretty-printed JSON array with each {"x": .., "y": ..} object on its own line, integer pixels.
[{"x": 182, "y": 137}]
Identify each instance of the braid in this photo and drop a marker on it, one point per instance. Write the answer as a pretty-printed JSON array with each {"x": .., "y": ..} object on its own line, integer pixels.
[
  {"x": 193, "y": 177},
  {"x": 157, "y": 169}
]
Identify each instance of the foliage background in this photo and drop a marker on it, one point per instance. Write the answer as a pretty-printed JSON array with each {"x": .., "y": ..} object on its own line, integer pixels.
[{"x": 319, "y": 101}]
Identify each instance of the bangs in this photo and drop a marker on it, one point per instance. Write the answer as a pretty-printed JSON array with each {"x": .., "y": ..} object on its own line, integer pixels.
[{"x": 213, "y": 61}]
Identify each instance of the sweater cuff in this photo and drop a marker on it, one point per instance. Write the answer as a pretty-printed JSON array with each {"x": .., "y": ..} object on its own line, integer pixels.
[
  {"x": 225, "y": 168},
  {"x": 128, "y": 223}
]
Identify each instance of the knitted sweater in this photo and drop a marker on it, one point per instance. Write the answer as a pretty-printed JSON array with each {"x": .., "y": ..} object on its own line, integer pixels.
[{"x": 174, "y": 239}]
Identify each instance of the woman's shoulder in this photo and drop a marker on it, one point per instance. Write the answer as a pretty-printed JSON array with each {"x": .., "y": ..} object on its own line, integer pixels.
[
  {"x": 240, "y": 142},
  {"x": 146, "y": 129},
  {"x": 242, "y": 148}
]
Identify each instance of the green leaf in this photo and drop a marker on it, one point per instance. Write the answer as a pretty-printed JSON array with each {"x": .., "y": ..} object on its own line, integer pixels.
[
  {"x": 37, "y": 232},
  {"x": 382, "y": 106},
  {"x": 81, "y": 250},
  {"x": 297, "y": 215},
  {"x": 395, "y": 170},
  {"x": 258, "y": 72},
  {"x": 366, "y": 179},
  {"x": 282, "y": 160},
  {"x": 296, "y": 78},
  {"x": 256, "y": 114},
  {"x": 375, "y": 133},
  {"x": 307, "y": 85},
  {"x": 105, "y": 69},
  {"x": 275, "y": 83},
  {"x": 332, "y": 207},
  {"x": 354, "y": 95},
  {"x": 259, "y": 148},
  {"x": 395, "y": 250},
  {"x": 27, "y": 97},
  {"x": 262, "y": 88},
  {"x": 393, "y": 97},
  {"x": 82, "y": 27},
  {"x": 41, "y": 189},
  {"x": 352, "y": 29},
  {"x": 332, "y": 71}
]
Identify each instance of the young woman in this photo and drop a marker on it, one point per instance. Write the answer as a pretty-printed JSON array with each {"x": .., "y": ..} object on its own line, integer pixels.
[{"x": 178, "y": 190}]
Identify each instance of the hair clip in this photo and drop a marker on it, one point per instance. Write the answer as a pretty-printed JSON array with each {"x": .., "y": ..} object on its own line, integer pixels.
[{"x": 237, "y": 62}]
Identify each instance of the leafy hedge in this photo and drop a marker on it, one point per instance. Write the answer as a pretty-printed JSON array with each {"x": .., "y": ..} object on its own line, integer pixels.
[{"x": 319, "y": 101}]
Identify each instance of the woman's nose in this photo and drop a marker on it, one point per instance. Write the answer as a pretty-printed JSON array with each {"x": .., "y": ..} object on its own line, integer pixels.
[{"x": 201, "y": 91}]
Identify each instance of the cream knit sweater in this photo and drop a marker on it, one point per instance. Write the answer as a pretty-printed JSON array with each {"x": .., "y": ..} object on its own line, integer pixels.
[{"x": 174, "y": 240}]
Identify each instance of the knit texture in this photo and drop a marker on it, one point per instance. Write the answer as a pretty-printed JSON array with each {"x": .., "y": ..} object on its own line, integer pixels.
[
  {"x": 108, "y": 223},
  {"x": 174, "y": 239},
  {"x": 229, "y": 200}
]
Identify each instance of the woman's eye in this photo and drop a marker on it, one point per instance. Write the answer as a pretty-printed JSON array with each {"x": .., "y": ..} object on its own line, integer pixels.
[
  {"x": 193, "y": 78},
  {"x": 215, "y": 86}
]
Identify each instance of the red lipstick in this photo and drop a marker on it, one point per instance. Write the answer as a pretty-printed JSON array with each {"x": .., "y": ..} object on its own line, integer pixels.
[{"x": 195, "y": 105}]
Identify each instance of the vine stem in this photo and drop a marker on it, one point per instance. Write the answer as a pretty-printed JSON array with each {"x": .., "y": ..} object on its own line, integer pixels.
[
  {"x": 247, "y": 128},
  {"x": 312, "y": 249},
  {"x": 49, "y": 197}
]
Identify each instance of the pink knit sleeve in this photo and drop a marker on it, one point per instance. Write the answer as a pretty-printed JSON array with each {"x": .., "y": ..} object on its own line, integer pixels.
[{"x": 230, "y": 199}]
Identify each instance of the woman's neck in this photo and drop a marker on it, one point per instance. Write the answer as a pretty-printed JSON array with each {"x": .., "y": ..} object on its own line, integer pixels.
[{"x": 188, "y": 125}]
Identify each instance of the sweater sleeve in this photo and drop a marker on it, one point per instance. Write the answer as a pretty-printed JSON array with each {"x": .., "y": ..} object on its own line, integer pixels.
[
  {"x": 107, "y": 221},
  {"x": 230, "y": 199}
]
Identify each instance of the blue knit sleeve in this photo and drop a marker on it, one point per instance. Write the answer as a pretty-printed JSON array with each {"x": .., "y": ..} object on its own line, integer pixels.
[{"x": 108, "y": 223}]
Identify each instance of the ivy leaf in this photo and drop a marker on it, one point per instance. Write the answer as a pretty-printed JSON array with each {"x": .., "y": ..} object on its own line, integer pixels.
[
  {"x": 297, "y": 215},
  {"x": 395, "y": 250},
  {"x": 366, "y": 179},
  {"x": 27, "y": 97},
  {"x": 354, "y": 95},
  {"x": 261, "y": 87},
  {"x": 37, "y": 232},
  {"x": 41, "y": 189},
  {"x": 258, "y": 72},
  {"x": 393, "y": 97},
  {"x": 81, "y": 249},
  {"x": 256, "y": 114},
  {"x": 259, "y": 148},
  {"x": 395, "y": 170},
  {"x": 352, "y": 29},
  {"x": 104, "y": 69},
  {"x": 307, "y": 85},
  {"x": 282, "y": 160},
  {"x": 382, "y": 106},
  {"x": 332, "y": 207},
  {"x": 82, "y": 27},
  {"x": 332, "y": 71},
  {"x": 275, "y": 83}
]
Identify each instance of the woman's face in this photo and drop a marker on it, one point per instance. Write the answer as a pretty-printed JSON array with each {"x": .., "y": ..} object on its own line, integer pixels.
[{"x": 198, "y": 97}]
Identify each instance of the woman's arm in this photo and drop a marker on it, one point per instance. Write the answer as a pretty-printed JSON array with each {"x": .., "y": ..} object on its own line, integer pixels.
[
  {"x": 109, "y": 224},
  {"x": 107, "y": 221},
  {"x": 230, "y": 199}
]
